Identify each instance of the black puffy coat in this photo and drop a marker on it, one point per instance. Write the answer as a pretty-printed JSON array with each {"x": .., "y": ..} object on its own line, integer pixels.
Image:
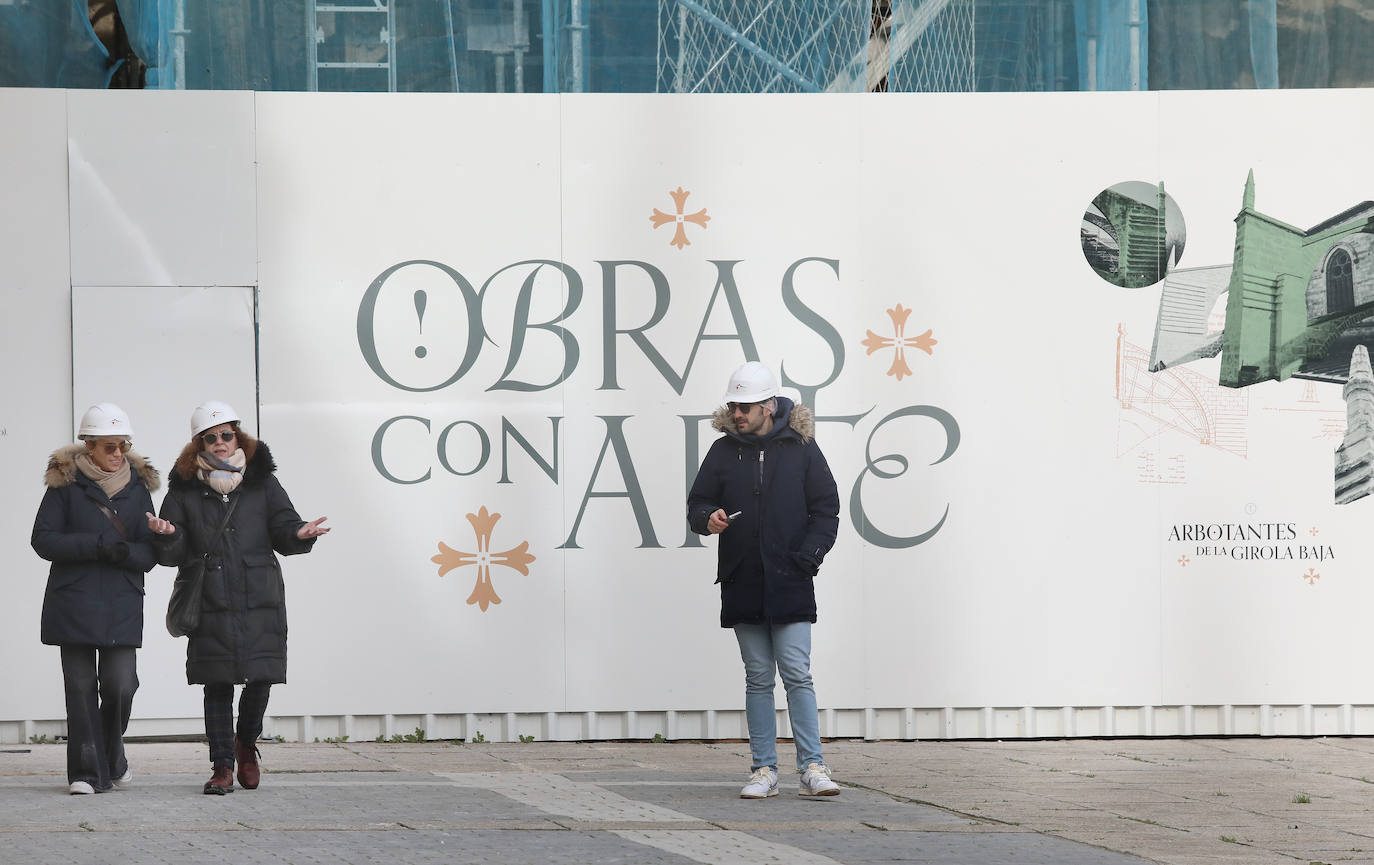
[
  {"x": 789, "y": 515},
  {"x": 242, "y": 631},
  {"x": 91, "y": 599}
]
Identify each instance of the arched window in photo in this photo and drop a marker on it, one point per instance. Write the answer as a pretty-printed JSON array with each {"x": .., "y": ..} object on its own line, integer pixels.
[{"x": 1340, "y": 285}]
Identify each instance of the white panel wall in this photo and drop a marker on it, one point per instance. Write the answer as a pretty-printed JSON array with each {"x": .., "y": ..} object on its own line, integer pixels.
[
  {"x": 1051, "y": 601},
  {"x": 1034, "y": 593},
  {"x": 414, "y": 181},
  {"x": 1244, "y": 635},
  {"x": 162, "y": 188},
  {"x": 35, "y": 414}
]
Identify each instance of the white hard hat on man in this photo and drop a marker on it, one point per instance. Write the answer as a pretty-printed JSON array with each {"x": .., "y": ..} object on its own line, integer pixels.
[{"x": 751, "y": 382}]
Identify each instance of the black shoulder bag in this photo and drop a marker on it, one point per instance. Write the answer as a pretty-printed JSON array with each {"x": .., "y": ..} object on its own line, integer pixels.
[
  {"x": 183, "y": 608},
  {"x": 114, "y": 520}
]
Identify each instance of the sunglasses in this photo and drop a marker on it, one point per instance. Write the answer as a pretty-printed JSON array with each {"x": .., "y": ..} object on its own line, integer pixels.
[
  {"x": 111, "y": 447},
  {"x": 225, "y": 436},
  {"x": 745, "y": 407}
]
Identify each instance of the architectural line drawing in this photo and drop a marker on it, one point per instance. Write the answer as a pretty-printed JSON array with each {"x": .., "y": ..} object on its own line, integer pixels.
[{"x": 1180, "y": 401}]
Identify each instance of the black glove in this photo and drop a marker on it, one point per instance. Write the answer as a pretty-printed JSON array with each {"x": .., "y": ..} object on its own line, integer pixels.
[{"x": 114, "y": 553}]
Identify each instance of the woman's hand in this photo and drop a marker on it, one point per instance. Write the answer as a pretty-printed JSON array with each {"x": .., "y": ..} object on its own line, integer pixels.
[
  {"x": 312, "y": 529},
  {"x": 159, "y": 526}
]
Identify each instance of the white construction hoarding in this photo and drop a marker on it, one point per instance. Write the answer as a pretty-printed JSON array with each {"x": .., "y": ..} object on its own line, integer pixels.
[{"x": 486, "y": 334}]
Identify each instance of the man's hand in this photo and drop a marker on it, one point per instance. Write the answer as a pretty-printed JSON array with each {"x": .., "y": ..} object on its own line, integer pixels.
[{"x": 717, "y": 522}]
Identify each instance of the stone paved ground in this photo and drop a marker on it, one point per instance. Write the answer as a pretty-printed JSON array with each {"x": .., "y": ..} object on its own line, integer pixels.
[{"x": 1075, "y": 802}]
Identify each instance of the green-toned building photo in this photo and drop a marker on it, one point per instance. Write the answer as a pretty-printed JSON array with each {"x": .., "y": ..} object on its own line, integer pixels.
[
  {"x": 1299, "y": 301},
  {"x": 1132, "y": 234}
]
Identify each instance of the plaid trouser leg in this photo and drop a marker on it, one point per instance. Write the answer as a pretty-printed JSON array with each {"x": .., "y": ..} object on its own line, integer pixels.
[
  {"x": 219, "y": 722},
  {"x": 252, "y": 708}
]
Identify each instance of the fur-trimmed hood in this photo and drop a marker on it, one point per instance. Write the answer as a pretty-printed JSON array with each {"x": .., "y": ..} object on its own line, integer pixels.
[
  {"x": 798, "y": 417},
  {"x": 258, "y": 466},
  {"x": 62, "y": 468}
]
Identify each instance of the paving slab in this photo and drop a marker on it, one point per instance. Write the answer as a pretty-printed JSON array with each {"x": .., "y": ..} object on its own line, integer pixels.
[
  {"x": 1068, "y": 802},
  {"x": 344, "y": 802}
]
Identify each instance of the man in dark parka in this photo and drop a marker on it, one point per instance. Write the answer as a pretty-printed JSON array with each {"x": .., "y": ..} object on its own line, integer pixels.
[{"x": 766, "y": 490}]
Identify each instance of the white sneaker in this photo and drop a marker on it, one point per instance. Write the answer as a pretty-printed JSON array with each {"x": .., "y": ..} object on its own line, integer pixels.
[
  {"x": 125, "y": 781},
  {"x": 815, "y": 781},
  {"x": 762, "y": 784},
  {"x": 81, "y": 788}
]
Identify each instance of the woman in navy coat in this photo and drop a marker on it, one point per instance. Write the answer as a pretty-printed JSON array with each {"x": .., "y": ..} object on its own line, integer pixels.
[
  {"x": 227, "y": 513},
  {"x": 91, "y": 526}
]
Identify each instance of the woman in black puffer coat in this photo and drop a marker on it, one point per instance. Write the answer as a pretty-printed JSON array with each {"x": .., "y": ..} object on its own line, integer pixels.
[
  {"x": 90, "y": 526},
  {"x": 241, "y": 638}
]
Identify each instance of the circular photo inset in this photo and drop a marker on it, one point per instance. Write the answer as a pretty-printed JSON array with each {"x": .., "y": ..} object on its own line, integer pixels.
[{"x": 1133, "y": 234}]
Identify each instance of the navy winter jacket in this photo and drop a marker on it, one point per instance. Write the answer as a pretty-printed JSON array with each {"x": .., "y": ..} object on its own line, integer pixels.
[
  {"x": 242, "y": 632},
  {"x": 95, "y": 585},
  {"x": 789, "y": 514}
]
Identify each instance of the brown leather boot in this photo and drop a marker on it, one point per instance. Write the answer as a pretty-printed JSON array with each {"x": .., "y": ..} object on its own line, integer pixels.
[
  {"x": 249, "y": 771},
  {"x": 221, "y": 782}
]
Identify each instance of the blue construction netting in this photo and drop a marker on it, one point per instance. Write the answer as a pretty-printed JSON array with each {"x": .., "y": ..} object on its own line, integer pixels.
[{"x": 633, "y": 46}]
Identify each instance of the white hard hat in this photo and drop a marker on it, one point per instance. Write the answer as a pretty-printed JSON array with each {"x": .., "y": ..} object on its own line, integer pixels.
[
  {"x": 752, "y": 382},
  {"x": 212, "y": 413},
  {"x": 105, "y": 419}
]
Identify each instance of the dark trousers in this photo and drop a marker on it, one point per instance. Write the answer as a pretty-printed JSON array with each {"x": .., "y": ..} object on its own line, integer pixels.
[
  {"x": 219, "y": 718},
  {"x": 99, "y": 686}
]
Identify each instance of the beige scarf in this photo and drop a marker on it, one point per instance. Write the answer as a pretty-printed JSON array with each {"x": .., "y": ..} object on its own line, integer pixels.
[
  {"x": 223, "y": 476},
  {"x": 110, "y": 482}
]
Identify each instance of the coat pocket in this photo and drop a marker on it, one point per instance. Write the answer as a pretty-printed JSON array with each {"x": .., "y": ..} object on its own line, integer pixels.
[
  {"x": 728, "y": 561},
  {"x": 263, "y": 586},
  {"x": 67, "y": 580},
  {"x": 215, "y": 593},
  {"x": 803, "y": 567}
]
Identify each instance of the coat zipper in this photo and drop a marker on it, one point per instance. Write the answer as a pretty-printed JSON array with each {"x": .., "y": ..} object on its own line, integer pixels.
[
  {"x": 761, "y": 496},
  {"x": 238, "y": 603}
]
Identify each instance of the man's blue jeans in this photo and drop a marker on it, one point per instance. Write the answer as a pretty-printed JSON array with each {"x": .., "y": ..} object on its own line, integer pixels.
[{"x": 768, "y": 650}]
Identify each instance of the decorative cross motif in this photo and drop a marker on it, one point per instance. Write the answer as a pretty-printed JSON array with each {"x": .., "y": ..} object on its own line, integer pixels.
[
  {"x": 660, "y": 219},
  {"x": 516, "y": 558},
  {"x": 1311, "y": 576},
  {"x": 899, "y": 342}
]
